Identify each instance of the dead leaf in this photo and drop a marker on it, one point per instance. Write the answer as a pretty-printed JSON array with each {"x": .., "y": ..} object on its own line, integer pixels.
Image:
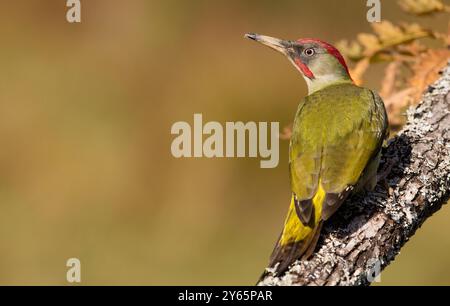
[
  {"x": 426, "y": 70},
  {"x": 352, "y": 50},
  {"x": 358, "y": 71},
  {"x": 388, "y": 84},
  {"x": 421, "y": 7},
  {"x": 414, "y": 49},
  {"x": 386, "y": 31},
  {"x": 370, "y": 43},
  {"x": 396, "y": 104},
  {"x": 387, "y": 36}
]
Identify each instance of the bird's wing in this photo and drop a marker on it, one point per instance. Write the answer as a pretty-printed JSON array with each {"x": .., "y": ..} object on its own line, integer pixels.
[{"x": 347, "y": 135}]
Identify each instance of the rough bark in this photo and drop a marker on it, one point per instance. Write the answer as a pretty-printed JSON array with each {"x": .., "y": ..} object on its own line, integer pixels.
[{"x": 368, "y": 231}]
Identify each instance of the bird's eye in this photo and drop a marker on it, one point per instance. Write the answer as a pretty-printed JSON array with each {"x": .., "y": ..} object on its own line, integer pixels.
[{"x": 309, "y": 52}]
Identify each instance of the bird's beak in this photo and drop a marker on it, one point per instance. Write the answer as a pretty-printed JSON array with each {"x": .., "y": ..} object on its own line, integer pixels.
[{"x": 279, "y": 45}]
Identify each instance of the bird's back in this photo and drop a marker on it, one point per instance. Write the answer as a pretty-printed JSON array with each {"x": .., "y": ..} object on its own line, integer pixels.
[{"x": 336, "y": 132}]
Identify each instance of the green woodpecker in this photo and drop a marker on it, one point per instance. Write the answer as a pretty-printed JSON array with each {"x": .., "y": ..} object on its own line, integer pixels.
[{"x": 335, "y": 146}]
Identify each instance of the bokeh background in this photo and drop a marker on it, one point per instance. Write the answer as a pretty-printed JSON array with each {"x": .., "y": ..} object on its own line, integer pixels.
[{"x": 85, "y": 163}]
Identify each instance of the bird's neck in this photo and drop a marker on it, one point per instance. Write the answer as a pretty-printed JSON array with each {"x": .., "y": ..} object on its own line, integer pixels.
[{"x": 324, "y": 81}]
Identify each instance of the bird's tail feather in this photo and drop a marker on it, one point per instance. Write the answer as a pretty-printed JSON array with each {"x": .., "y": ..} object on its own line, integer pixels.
[{"x": 297, "y": 241}]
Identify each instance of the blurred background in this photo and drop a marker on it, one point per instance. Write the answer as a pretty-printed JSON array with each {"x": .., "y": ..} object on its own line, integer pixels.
[{"x": 85, "y": 164}]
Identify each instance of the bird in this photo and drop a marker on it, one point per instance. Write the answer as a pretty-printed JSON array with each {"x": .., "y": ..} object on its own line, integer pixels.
[{"x": 335, "y": 148}]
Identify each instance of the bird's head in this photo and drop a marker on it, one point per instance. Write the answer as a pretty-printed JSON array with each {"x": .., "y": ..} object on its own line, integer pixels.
[{"x": 320, "y": 63}]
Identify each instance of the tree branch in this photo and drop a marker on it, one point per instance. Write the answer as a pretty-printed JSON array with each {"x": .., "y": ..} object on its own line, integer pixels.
[{"x": 369, "y": 230}]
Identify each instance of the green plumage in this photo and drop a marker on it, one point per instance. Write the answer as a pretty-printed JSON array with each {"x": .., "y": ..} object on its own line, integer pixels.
[
  {"x": 337, "y": 131},
  {"x": 335, "y": 148}
]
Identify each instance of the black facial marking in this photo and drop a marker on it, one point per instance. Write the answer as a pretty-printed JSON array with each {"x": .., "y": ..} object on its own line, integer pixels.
[{"x": 300, "y": 49}]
